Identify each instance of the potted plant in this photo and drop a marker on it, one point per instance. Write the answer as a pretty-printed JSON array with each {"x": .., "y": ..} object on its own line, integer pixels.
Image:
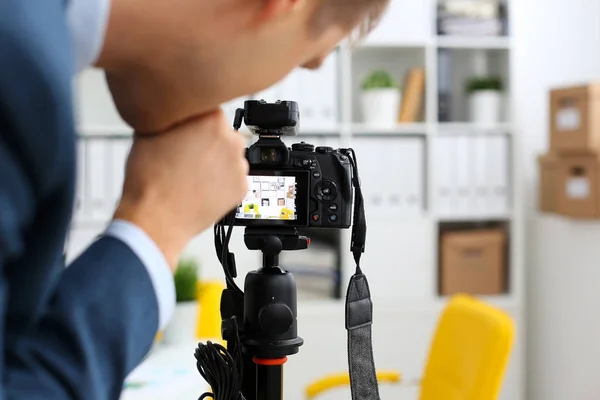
[
  {"x": 182, "y": 326},
  {"x": 380, "y": 99},
  {"x": 485, "y": 99}
]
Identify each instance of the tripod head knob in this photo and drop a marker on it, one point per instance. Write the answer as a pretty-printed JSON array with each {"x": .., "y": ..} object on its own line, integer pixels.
[{"x": 275, "y": 318}]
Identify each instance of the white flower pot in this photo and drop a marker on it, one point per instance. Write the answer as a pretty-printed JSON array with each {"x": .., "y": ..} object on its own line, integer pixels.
[
  {"x": 182, "y": 326},
  {"x": 485, "y": 107},
  {"x": 381, "y": 107}
]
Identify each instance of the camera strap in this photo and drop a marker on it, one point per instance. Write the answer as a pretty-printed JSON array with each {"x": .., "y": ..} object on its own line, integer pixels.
[{"x": 359, "y": 307}]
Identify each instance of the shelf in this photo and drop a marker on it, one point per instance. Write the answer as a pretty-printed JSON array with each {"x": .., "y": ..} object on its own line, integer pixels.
[
  {"x": 394, "y": 45},
  {"x": 123, "y": 132},
  {"x": 462, "y": 128},
  {"x": 361, "y": 129},
  {"x": 503, "y": 301},
  {"x": 422, "y": 216},
  {"x": 312, "y": 131},
  {"x": 476, "y": 42},
  {"x": 477, "y": 217}
]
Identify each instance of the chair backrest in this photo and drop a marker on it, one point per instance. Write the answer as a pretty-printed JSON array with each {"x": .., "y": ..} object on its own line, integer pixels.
[
  {"x": 470, "y": 351},
  {"x": 334, "y": 381},
  {"x": 209, "y": 312}
]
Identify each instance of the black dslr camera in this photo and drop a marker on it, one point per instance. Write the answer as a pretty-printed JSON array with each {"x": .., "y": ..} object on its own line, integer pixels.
[{"x": 301, "y": 186}]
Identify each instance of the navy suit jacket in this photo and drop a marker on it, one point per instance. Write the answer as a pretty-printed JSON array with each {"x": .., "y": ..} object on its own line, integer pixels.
[{"x": 71, "y": 333}]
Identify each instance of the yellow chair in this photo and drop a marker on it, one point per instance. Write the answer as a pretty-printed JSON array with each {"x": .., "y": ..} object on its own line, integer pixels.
[
  {"x": 209, "y": 312},
  {"x": 334, "y": 381},
  {"x": 467, "y": 358},
  {"x": 208, "y": 319}
]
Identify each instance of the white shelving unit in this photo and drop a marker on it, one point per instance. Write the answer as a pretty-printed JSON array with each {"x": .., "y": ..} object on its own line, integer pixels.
[
  {"x": 402, "y": 169},
  {"x": 409, "y": 160},
  {"x": 417, "y": 153}
]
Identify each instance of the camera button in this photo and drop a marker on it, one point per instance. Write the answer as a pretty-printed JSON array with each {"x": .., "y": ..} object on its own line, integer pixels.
[
  {"x": 315, "y": 217},
  {"x": 316, "y": 174},
  {"x": 326, "y": 190},
  {"x": 333, "y": 207},
  {"x": 333, "y": 217}
]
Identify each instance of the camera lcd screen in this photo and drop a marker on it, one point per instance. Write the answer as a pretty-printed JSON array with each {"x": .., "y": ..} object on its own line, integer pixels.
[{"x": 275, "y": 197}]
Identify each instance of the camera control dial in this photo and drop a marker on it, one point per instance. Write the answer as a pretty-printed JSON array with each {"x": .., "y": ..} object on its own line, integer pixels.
[
  {"x": 324, "y": 150},
  {"x": 302, "y": 146}
]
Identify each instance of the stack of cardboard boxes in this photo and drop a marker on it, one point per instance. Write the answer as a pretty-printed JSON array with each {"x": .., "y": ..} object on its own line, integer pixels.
[
  {"x": 570, "y": 171},
  {"x": 473, "y": 261}
]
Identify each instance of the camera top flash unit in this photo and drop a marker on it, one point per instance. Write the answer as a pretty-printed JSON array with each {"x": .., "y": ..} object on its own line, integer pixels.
[{"x": 281, "y": 118}]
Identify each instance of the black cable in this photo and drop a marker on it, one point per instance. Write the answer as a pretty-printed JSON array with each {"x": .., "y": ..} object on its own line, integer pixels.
[
  {"x": 222, "y": 239},
  {"x": 220, "y": 369}
]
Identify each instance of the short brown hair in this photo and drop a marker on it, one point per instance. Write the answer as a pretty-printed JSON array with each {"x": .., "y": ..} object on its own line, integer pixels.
[{"x": 360, "y": 15}]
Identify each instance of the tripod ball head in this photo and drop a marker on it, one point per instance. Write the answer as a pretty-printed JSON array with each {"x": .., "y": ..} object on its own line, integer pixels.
[
  {"x": 271, "y": 245},
  {"x": 270, "y": 313}
]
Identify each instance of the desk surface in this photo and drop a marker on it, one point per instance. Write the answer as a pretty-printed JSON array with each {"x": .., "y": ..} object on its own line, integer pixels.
[{"x": 168, "y": 372}]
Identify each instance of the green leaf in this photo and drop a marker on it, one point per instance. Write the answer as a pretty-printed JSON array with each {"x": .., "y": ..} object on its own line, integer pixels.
[
  {"x": 186, "y": 280},
  {"x": 479, "y": 83},
  {"x": 379, "y": 79}
]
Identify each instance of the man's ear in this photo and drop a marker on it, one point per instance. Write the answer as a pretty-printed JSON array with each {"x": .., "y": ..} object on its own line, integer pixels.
[{"x": 274, "y": 8}]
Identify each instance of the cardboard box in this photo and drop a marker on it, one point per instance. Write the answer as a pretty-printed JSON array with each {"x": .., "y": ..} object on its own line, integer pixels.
[
  {"x": 473, "y": 262},
  {"x": 548, "y": 183},
  {"x": 578, "y": 182},
  {"x": 575, "y": 119}
]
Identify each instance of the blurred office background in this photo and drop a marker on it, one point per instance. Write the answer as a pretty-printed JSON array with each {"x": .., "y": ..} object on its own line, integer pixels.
[{"x": 447, "y": 104}]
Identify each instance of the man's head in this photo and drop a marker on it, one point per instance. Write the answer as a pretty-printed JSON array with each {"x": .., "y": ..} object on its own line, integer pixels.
[{"x": 197, "y": 54}]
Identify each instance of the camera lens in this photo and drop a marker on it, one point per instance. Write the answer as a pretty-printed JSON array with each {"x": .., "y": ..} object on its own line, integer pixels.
[{"x": 270, "y": 155}]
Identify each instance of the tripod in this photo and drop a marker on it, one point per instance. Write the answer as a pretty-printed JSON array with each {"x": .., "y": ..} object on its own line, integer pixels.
[{"x": 267, "y": 309}]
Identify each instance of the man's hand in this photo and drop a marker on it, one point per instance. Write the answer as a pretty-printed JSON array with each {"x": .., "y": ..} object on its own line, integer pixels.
[{"x": 178, "y": 183}]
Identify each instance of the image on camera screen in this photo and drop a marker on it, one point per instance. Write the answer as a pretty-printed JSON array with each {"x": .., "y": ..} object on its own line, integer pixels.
[{"x": 269, "y": 197}]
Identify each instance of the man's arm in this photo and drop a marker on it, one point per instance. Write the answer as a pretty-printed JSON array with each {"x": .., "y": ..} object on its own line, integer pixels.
[
  {"x": 75, "y": 337},
  {"x": 103, "y": 312},
  {"x": 97, "y": 327},
  {"x": 153, "y": 260},
  {"x": 101, "y": 317},
  {"x": 87, "y": 21}
]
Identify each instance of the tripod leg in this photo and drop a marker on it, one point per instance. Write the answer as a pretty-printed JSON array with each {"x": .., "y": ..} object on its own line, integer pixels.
[
  {"x": 269, "y": 382},
  {"x": 249, "y": 377}
]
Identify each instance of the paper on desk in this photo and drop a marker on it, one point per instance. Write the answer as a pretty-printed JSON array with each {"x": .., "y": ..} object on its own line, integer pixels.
[{"x": 158, "y": 381}]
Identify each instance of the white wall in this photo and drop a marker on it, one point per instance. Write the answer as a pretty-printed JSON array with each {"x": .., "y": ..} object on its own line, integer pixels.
[{"x": 556, "y": 42}]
